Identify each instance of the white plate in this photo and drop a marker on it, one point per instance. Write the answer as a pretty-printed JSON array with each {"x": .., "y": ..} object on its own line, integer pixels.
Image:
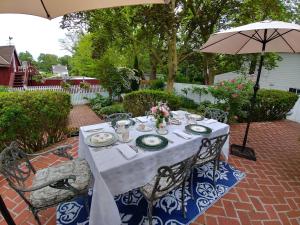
[
  {"x": 198, "y": 128},
  {"x": 101, "y": 139},
  {"x": 152, "y": 141},
  {"x": 196, "y": 116},
  {"x": 123, "y": 122},
  {"x": 146, "y": 129}
]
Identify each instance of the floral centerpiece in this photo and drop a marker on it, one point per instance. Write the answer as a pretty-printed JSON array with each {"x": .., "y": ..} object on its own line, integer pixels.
[{"x": 161, "y": 113}]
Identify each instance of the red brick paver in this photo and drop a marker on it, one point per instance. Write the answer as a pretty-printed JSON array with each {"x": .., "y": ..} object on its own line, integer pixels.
[
  {"x": 82, "y": 115},
  {"x": 269, "y": 195}
]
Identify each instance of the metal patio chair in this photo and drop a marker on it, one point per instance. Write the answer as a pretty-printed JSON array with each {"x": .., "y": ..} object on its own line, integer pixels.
[
  {"x": 216, "y": 114},
  {"x": 209, "y": 151},
  {"x": 168, "y": 178},
  {"x": 47, "y": 187}
]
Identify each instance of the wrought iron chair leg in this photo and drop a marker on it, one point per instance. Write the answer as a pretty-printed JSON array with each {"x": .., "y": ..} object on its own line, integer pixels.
[
  {"x": 214, "y": 172},
  {"x": 36, "y": 216},
  {"x": 129, "y": 200},
  {"x": 150, "y": 209},
  {"x": 218, "y": 165},
  {"x": 86, "y": 203},
  {"x": 182, "y": 199},
  {"x": 192, "y": 183}
]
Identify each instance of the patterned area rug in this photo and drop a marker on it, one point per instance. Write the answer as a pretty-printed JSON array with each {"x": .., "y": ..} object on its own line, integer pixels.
[{"x": 166, "y": 211}]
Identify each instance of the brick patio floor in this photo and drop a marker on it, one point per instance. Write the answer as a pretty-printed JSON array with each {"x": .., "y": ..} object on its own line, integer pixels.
[
  {"x": 269, "y": 195},
  {"x": 82, "y": 115}
]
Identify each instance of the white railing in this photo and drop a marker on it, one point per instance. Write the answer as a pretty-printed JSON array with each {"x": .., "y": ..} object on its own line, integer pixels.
[{"x": 79, "y": 96}]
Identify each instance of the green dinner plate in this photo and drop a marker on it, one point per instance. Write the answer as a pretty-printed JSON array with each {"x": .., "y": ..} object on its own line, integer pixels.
[
  {"x": 151, "y": 142},
  {"x": 198, "y": 129}
]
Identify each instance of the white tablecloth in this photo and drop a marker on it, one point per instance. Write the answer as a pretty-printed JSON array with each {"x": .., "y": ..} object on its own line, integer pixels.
[{"x": 115, "y": 175}]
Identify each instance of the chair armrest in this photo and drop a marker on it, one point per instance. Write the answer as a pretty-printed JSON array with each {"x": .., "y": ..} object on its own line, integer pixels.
[
  {"x": 59, "y": 151},
  {"x": 58, "y": 182}
]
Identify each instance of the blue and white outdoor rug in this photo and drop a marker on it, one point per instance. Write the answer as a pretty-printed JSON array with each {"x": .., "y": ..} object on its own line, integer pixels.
[{"x": 166, "y": 211}]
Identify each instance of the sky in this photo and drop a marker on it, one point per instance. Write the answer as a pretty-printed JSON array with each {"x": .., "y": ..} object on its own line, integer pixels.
[{"x": 31, "y": 33}]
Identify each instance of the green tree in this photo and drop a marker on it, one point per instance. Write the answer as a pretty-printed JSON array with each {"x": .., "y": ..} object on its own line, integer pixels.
[
  {"x": 26, "y": 56},
  {"x": 82, "y": 62},
  {"x": 46, "y": 61}
]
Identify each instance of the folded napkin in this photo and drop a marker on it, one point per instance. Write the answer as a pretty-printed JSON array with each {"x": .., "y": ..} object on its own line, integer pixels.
[
  {"x": 126, "y": 151},
  {"x": 92, "y": 127},
  {"x": 182, "y": 134},
  {"x": 209, "y": 121},
  {"x": 142, "y": 119}
]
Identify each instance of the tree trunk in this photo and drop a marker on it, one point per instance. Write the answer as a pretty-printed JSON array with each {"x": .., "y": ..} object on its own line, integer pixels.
[
  {"x": 153, "y": 72},
  {"x": 153, "y": 62},
  {"x": 208, "y": 69},
  {"x": 172, "y": 54}
]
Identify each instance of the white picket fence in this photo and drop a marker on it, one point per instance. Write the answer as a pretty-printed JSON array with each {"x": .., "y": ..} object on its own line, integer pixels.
[{"x": 79, "y": 96}]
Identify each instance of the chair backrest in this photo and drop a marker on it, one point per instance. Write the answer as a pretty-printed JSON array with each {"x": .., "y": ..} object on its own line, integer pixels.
[
  {"x": 118, "y": 116},
  {"x": 170, "y": 177},
  {"x": 15, "y": 166},
  {"x": 210, "y": 149},
  {"x": 216, "y": 114}
]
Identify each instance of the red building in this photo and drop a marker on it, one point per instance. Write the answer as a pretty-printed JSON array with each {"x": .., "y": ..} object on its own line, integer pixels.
[{"x": 12, "y": 73}]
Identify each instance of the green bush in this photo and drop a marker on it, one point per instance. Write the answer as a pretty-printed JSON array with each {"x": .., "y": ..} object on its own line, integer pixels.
[
  {"x": 187, "y": 103},
  {"x": 158, "y": 84},
  {"x": 273, "y": 105},
  {"x": 3, "y": 89},
  {"x": 138, "y": 102},
  {"x": 34, "y": 119},
  {"x": 232, "y": 96},
  {"x": 116, "y": 108},
  {"x": 99, "y": 102}
]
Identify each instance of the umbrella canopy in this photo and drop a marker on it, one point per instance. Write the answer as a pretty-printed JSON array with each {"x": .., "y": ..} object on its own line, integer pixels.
[
  {"x": 54, "y": 8},
  {"x": 278, "y": 37},
  {"x": 260, "y": 37}
]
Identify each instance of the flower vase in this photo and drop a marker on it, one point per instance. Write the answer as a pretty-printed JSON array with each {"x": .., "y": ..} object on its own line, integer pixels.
[{"x": 161, "y": 126}]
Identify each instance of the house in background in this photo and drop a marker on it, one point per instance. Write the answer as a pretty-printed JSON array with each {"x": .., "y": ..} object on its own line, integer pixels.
[
  {"x": 286, "y": 76},
  {"x": 12, "y": 72},
  {"x": 60, "y": 70}
]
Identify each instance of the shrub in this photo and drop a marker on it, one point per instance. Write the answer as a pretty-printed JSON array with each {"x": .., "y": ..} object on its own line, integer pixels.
[
  {"x": 65, "y": 85},
  {"x": 233, "y": 95},
  {"x": 116, "y": 108},
  {"x": 273, "y": 105},
  {"x": 34, "y": 119},
  {"x": 85, "y": 85},
  {"x": 187, "y": 103},
  {"x": 158, "y": 84},
  {"x": 3, "y": 89},
  {"x": 99, "y": 101},
  {"x": 138, "y": 102}
]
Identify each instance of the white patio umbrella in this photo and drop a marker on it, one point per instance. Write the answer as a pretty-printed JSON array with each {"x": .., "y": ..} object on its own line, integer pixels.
[
  {"x": 54, "y": 8},
  {"x": 260, "y": 37}
]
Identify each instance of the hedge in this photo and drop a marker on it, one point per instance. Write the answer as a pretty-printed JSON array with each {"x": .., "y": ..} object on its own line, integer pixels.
[
  {"x": 108, "y": 110},
  {"x": 138, "y": 102},
  {"x": 273, "y": 105},
  {"x": 34, "y": 119}
]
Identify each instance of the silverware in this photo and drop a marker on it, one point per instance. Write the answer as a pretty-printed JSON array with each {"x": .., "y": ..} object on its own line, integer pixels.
[
  {"x": 134, "y": 148},
  {"x": 186, "y": 138}
]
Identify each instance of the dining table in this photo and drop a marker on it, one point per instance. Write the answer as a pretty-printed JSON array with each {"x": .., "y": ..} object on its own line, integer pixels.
[{"x": 117, "y": 173}]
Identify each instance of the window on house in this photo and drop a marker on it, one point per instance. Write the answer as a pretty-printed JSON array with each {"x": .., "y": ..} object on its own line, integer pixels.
[{"x": 295, "y": 90}]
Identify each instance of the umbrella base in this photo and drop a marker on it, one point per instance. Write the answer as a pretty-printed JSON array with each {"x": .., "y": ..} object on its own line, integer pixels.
[{"x": 243, "y": 152}]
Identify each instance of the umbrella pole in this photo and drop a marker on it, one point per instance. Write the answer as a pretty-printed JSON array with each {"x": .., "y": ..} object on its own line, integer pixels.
[{"x": 244, "y": 151}]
